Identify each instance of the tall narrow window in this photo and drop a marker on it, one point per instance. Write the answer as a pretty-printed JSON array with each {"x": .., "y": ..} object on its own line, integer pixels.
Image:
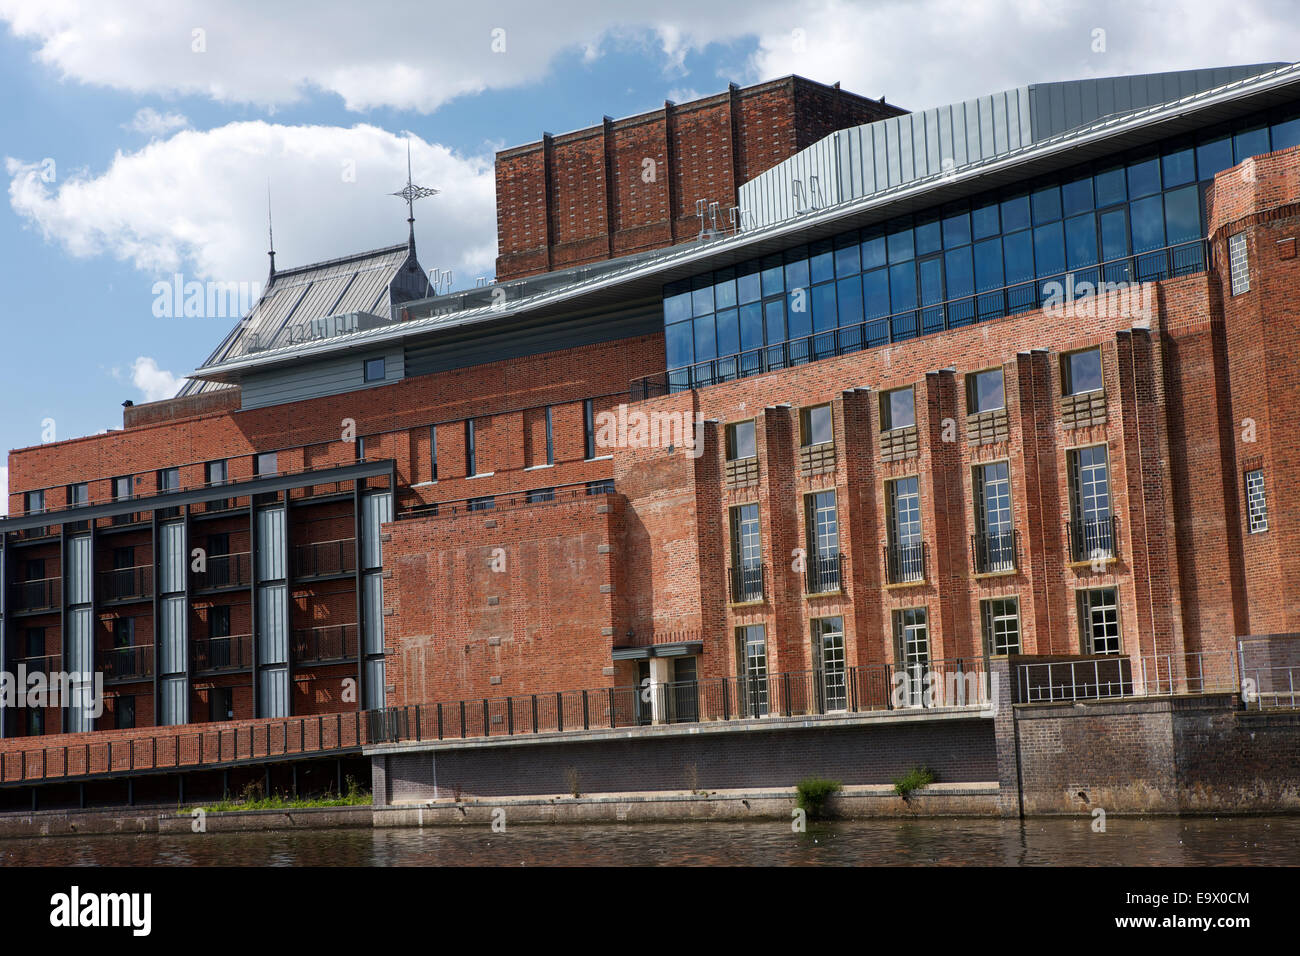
[
  {"x": 912, "y": 652},
  {"x": 1000, "y": 622},
  {"x": 124, "y": 712},
  {"x": 78, "y": 495},
  {"x": 550, "y": 438},
  {"x": 993, "y": 546},
  {"x": 751, "y": 669},
  {"x": 34, "y": 502},
  {"x": 829, "y": 662},
  {"x": 265, "y": 464},
  {"x": 589, "y": 429},
  {"x": 1239, "y": 265},
  {"x": 815, "y": 426},
  {"x": 359, "y": 449},
  {"x": 471, "y": 455},
  {"x": 1256, "y": 504},
  {"x": 433, "y": 451},
  {"x": 169, "y": 479},
  {"x": 746, "y": 555},
  {"x": 741, "y": 441},
  {"x": 904, "y": 551},
  {"x": 218, "y": 472},
  {"x": 1092, "y": 528},
  {"x": 1099, "y": 621},
  {"x": 897, "y": 409},
  {"x": 821, "y": 523}
]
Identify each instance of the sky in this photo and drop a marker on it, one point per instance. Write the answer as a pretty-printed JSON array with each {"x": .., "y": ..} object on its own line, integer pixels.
[{"x": 140, "y": 139}]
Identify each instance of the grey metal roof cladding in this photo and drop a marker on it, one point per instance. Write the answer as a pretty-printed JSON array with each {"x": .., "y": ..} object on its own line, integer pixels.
[
  {"x": 374, "y": 282},
  {"x": 862, "y": 160},
  {"x": 607, "y": 284}
]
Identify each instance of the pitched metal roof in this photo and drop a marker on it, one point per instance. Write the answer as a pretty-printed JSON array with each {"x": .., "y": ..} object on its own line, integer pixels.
[{"x": 372, "y": 282}]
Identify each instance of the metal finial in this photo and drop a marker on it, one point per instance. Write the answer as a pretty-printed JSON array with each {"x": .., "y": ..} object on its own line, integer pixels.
[
  {"x": 270, "y": 234},
  {"x": 411, "y": 192}
]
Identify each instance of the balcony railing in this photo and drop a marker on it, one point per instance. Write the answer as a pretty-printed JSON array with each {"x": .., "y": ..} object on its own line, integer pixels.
[
  {"x": 44, "y": 664},
  {"x": 325, "y": 558},
  {"x": 42, "y": 594},
  {"x": 126, "y": 663},
  {"x": 1093, "y": 539},
  {"x": 224, "y": 571},
  {"x": 824, "y": 573},
  {"x": 230, "y": 653},
  {"x": 905, "y": 563},
  {"x": 126, "y": 584},
  {"x": 994, "y": 552},
  {"x": 747, "y": 583},
  {"x": 332, "y": 642},
  {"x": 1171, "y": 261}
]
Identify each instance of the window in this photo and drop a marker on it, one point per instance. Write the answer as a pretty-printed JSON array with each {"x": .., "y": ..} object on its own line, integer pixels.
[
  {"x": 746, "y": 555},
  {"x": 1256, "y": 505},
  {"x": 985, "y": 391},
  {"x": 486, "y": 503},
  {"x": 994, "y": 543},
  {"x": 821, "y": 523},
  {"x": 1081, "y": 372},
  {"x": 541, "y": 494},
  {"x": 550, "y": 438},
  {"x": 78, "y": 495},
  {"x": 374, "y": 370},
  {"x": 905, "y": 551},
  {"x": 589, "y": 429},
  {"x": 1099, "y": 621},
  {"x": 751, "y": 669},
  {"x": 897, "y": 409},
  {"x": 219, "y": 561},
  {"x": 815, "y": 426},
  {"x": 359, "y": 449},
  {"x": 122, "y": 489},
  {"x": 265, "y": 464},
  {"x": 219, "y": 621},
  {"x": 829, "y": 662},
  {"x": 221, "y": 704},
  {"x": 34, "y": 502},
  {"x": 1239, "y": 265},
  {"x": 1091, "y": 528},
  {"x": 741, "y": 441},
  {"x": 124, "y": 712},
  {"x": 471, "y": 453},
  {"x": 602, "y": 487},
  {"x": 912, "y": 652},
  {"x": 34, "y": 642},
  {"x": 217, "y": 472},
  {"x": 1000, "y": 621},
  {"x": 433, "y": 451},
  {"x": 123, "y": 632},
  {"x": 169, "y": 479},
  {"x": 35, "y": 721}
]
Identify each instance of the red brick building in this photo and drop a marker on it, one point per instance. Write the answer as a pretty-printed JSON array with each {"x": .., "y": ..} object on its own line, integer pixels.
[{"x": 885, "y": 430}]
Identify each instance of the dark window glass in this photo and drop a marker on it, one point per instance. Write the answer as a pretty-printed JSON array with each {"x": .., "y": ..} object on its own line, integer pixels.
[
  {"x": 848, "y": 258},
  {"x": 1144, "y": 177},
  {"x": 374, "y": 370},
  {"x": 471, "y": 451},
  {"x": 1178, "y": 168},
  {"x": 1147, "y": 220},
  {"x": 724, "y": 288},
  {"x": 1251, "y": 142},
  {"x": 928, "y": 236},
  {"x": 957, "y": 264},
  {"x": 1015, "y": 214},
  {"x": 1286, "y": 134},
  {"x": 603, "y": 487},
  {"x": 482, "y": 504},
  {"x": 1114, "y": 235},
  {"x": 218, "y": 472},
  {"x": 873, "y": 252},
  {"x": 680, "y": 344},
  {"x": 774, "y": 320},
  {"x": 264, "y": 464},
  {"x": 541, "y": 494},
  {"x": 702, "y": 295},
  {"x": 821, "y": 262},
  {"x": 823, "y": 307},
  {"x": 78, "y": 494},
  {"x": 751, "y": 326},
  {"x": 728, "y": 332},
  {"x": 796, "y": 270},
  {"x": 1047, "y": 204},
  {"x": 1110, "y": 187},
  {"x": 902, "y": 286},
  {"x": 984, "y": 221},
  {"x": 901, "y": 246},
  {"x": 705, "y": 344},
  {"x": 677, "y": 302},
  {"x": 1213, "y": 157},
  {"x": 1049, "y": 250},
  {"x": 124, "y": 712},
  {"x": 219, "y": 622},
  {"x": 988, "y": 265},
  {"x": 1081, "y": 241},
  {"x": 798, "y": 317},
  {"x": 748, "y": 287},
  {"x": 433, "y": 451},
  {"x": 169, "y": 479},
  {"x": 35, "y": 642},
  {"x": 589, "y": 429},
  {"x": 1183, "y": 214},
  {"x": 122, "y": 488},
  {"x": 773, "y": 276},
  {"x": 1076, "y": 196},
  {"x": 956, "y": 229},
  {"x": 931, "y": 275},
  {"x": 848, "y": 294},
  {"x": 1018, "y": 256},
  {"x": 875, "y": 293}
]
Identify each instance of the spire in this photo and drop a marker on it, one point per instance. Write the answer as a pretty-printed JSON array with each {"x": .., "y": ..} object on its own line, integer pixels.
[
  {"x": 270, "y": 235},
  {"x": 411, "y": 192}
]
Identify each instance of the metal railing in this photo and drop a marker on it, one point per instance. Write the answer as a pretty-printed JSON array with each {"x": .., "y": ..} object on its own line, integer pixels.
[
  {"x": 1093, "y": 539},
  {"x": 1181, "y": 259},
  {"x": 994, "y": 551},
  {"x": 126, "y": 584},
  {"x": 1271, "y": 688},
  {"x": 747, "y": 583},
  {"x": 126, "y": 663},
  {"x": 233, "y": 652},
  {"x": 37, "y": 595},
  {"x": 321, "y": 559},
  {"x": 824, "y": 574},
  {"x": 330, "y": 642},
  {"x": 1109, "y": 676},
  {"x": 41, "y": 664},
  {"x": 904, "y": 563},
  {"x": 232, "y": 570}
]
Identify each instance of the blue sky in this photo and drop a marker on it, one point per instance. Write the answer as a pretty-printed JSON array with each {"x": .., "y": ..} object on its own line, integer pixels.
[{"x": 138, "y": 138}]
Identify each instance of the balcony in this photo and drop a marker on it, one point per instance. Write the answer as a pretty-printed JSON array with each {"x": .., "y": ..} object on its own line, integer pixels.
[
  {"x": 742, "y": 472},
  {"x": 213, "y": 655},
  {"x": 47, "y": 664},
  {"x": 125, "y": 584},
  {"x": 747, "y": 583},
  {"x": 824, "y": 574},
  {"x": 43, "y": 594},
  {"x": 1093, "y": 539},
  {"x": 325, "y": 559},
  {"x": 817, "y": 459},
  {"x": 325, "y": 644},
  {"x": 224, "y": 571},
  {"x": 995, "y": 552},
  {"x": 905, "y": 563},
  {"x": 124, "y": 664}
]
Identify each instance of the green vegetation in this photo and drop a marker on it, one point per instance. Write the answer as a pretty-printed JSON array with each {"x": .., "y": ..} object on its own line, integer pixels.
[
  {"x": 914, "y": 779},
  {"x": 252, "y": 798},
  {"x": 811, "y": 794}
]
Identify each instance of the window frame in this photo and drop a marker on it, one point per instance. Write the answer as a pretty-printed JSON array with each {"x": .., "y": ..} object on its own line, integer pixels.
[
  {"x": 806, "y": 425},
  {"x": 368, "y": 364},
  {"x": 989, "y": 620},
  {"x": 972, "y": 390},
  {"x": 1067, "y": 376},
  {"x": 1237, "y": 244},
  {"x": 732, "y": 445},
  {"x": 1084, "y": 606},
  {"x": 1256, "y": 503},
  {"x": 887, "y": 412}
]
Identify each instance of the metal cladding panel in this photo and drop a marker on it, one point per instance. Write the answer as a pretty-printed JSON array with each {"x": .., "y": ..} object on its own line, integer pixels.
[
  {"x": 172, "y": 634},
  {"x": 273, "y": 692},
  {"x": 171, "y": 557},
  {"x": 327, "y": 377},
  {"x": 81, "y": 641},
  {"x": 374, "y": 585},
  {"x": 80, "y": 570},
  {"x": 175, "y": 701},
  {"x": 376, "y": 509},
  {"x": 270, "y": 544},
  {"x": 272, "y": 628},
  {"x": 375, "y": 691}
]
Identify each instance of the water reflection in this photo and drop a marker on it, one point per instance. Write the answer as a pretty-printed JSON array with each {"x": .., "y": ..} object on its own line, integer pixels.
[{"x": 1163, "y": 841}]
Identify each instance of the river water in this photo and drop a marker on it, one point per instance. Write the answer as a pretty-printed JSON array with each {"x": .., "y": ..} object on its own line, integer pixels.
[{"x": 1156, "y": 841}]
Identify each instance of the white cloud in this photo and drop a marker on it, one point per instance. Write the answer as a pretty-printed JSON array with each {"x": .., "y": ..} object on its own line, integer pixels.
[
  {"x": 412, "y": 55},
  {"x": 156, "y": 383},
  {"x": 197, "y": 201},
  {"x": 152, "y": 123}
]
